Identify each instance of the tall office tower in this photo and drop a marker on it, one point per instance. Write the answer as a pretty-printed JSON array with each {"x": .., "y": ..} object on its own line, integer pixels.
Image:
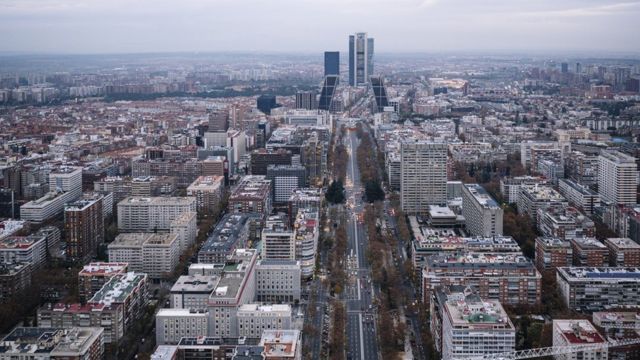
[
  {"x": 564, "y": 67},
  {"x": 328, "y": 89},
  {"x": 360, "y": 59},
  {"x": 306, "y": 100},
  {"x": 617, "y": 175},
  {"x": 423, "y": 175},
  {"x": 331, "y": 63},
  {"x": 379, "y": 92},
  {"x": 219, "y": 120},
  {"x": 84, "y": 228},
  {"x": 578, "y": 68}
]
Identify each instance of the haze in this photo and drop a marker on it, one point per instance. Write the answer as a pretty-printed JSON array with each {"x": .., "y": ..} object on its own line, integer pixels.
[{"x": 119, "y": 26}]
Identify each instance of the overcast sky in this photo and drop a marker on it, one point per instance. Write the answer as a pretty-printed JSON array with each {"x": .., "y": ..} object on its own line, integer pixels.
[{"x": 107, "y": 26}]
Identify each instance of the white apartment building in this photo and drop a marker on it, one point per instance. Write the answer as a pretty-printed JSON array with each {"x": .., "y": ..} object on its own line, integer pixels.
[
  {"x": 185, "y": 227},
  {"x": 423, "y": 175},
  {"x": 174, "y": 324},
  {"x": 154, "y": 254},
  {"x": 253, "y": 319},
  {"x": 483, "y": 215},
  {"x": 46, "y": 207},
  {"x": 475, "y": 328},
  {"x": 617, "y": 178},
  {"x": 152, "y": 213},
  {"x": 67, "y": 179},
  {"x": 579, "y": 195},
  {"x": 277, "y": 241}
]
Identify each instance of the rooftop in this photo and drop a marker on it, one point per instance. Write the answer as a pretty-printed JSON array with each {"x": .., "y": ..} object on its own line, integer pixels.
[
  {"x": 103, "y": 268},
  {"x": 601, "y": 272},
  {"x": 280, "y": 343},
  {"x": 482, "y": 196},
  {"x": 623, "y": 243},
  {"x": 578, "y": 331},
  {"x": 195, "y": 284},
  {"x": 118, "y": 288},
  {"x": 477, "y": 314}
]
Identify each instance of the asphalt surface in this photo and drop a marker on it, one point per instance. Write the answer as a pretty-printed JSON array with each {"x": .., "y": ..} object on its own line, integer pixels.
[{"x": 362, "y": 343}]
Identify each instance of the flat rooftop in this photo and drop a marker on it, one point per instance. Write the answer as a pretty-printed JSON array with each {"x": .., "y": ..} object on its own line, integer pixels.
[
  {"x": 601, "y": 272},
  {"x": 103, "y": 268},
  {"x": 578, "y": 331},
  {"x": 195, "y": 284},
  {"x": 478, "y": 314},
  {"x": 482, "y": 196},
  {"x": 118, "y": 288},
  {"x": 623, "y": 243}
]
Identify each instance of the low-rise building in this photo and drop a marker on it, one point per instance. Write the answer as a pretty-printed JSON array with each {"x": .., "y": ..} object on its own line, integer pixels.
[
  {"x": 552, "y": 253},
  {"x": 623, "y": 252},
  {"x": 578, "y": 332},
  {"x": 578, "y": 195},
  {"x": 589, "y": 252},
  {"x": 84, "y": 343},
  {"x": 282, "y": 344},
  {"x": 509, "y": 278},
  {"x": 93, "y": 276},
  {"x": 598, "y": 288},
  {"x": 565, "y": 223},
  {"x": 208, "y": 193}
]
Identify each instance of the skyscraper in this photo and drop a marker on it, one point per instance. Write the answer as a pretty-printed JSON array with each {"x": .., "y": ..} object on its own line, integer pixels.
[
  {"x": 379, "y": 92},
  {"x": 328, "y": 90},
  {"x": 423, "y": 175},
  {"x": 331, "y": 63},
  {"x": 360, "y": 59},
  {"x": 306, "y": 100}
]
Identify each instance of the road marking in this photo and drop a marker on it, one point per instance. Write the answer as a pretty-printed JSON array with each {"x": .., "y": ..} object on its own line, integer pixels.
[{"x": 361, "y": 337}]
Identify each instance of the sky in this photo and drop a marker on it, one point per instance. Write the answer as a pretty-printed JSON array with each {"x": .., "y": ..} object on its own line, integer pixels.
[{"x": 135, "y": 26}]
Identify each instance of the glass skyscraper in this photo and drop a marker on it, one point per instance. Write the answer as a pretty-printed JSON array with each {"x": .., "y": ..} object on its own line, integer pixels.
[
  {"x": 360, "y": 59},
  {"x": 331, "y": 63}
]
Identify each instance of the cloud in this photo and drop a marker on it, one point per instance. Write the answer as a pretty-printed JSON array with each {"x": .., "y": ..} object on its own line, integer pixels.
[{"x": 599, "y": 10}]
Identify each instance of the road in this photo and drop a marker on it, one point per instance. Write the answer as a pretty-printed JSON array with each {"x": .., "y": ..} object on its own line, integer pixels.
[{"x": 362, "y": 343}]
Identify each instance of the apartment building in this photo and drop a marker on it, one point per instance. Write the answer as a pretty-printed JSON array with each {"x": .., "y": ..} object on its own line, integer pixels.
[
  {"x": 152, "y": 213},
  {"x": 423, "y": 175},
  {"x": 156, "y": 254},
  {"x": 278, "y": 281},
  {"x": 174, "y": 324},
  {"x": 623, "y": 252},
  {"x": 589, "y": 252},
  {"x": 94, "y": 275},
  {"x": 254, "y": 319},
  {"x": 534, "y": 197},
  {"x": 578, "y": 332},
  {"x": 617, "y": 178},
  {"x": 552, "y": 253},
  {"x": 579, "y": 195},
  {"x": 482, "y": 214},
  {"x": 251, "y": 195},
  {"x": 598, "y": 288},
  {"x": 207, "y": 191}
]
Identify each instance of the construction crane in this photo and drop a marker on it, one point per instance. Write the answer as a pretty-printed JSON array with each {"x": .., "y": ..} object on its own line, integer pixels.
[{"x": 550, "y": 351}]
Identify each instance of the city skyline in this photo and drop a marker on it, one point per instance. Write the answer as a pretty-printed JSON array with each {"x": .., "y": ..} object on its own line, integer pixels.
[{"x": 78, "y": 27}]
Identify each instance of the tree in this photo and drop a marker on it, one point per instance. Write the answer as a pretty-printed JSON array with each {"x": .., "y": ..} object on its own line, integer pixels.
[
  {"x": 373, "y": 191},
  {"x": 335, "y": 192}
]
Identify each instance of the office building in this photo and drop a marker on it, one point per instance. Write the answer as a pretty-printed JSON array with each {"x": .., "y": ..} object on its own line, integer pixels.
[
  {"x": 509, "y": 278},
  {"x": 360, "y": 59},
  {"x": 327, "y": 92},
  {"x": 152, "y": 214},
  {"x": 578, "y": 332},
  {"x": 174, "y": 324},
  {"x": 592, "y": 288},
  {"x": 589, "y": 252},
  {"x": 278, "y": 281},
  {"x": 253, "y": 319},
  {"x": 623, "y": 252},
  {"x": 251, "y": 195},
  {"x": 379, "y": 93},
  {"x": 306, "y": 100},
  {"x": 262, "y": 158},
  {"x": 284, "y": 180},
  {"x": 278, "y": 241},
  {"x": 331, "y": 63},
  {"x": 85, "y": 343},
  {"x": 423, "y": 176},
  {"x": 208, "y": 192},
  {"x": 193, "y": 291},
  {"x": 266, "y": 103},
  {"x": 552, "y": 253},
  {"x": 218, "y": 120},
  {"x": 482, "y": 214},
  {"x": 93, "y": 276},
  {"x": 474, "y": 328},
  {"x": 84, "y": 228},
  {"x": 617, "y": 178}
]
